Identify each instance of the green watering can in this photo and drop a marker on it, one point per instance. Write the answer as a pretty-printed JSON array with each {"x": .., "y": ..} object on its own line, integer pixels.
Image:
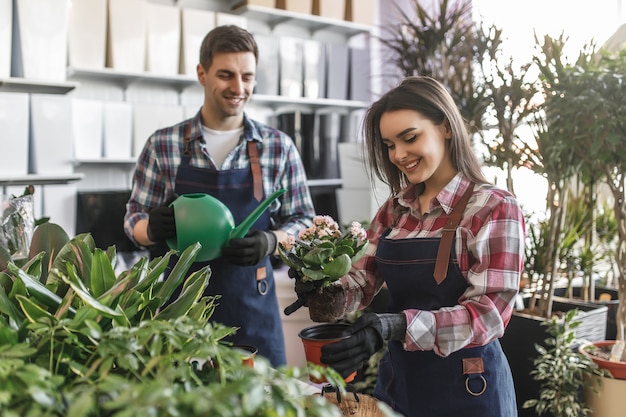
[{"x": 203, "y": 218}]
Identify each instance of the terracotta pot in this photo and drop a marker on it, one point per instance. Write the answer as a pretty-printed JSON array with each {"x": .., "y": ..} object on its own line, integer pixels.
[
  {"x": 617, "y": 369},
  {"x": 248, "y": 352},
  {"x": 314, "y": 337}
]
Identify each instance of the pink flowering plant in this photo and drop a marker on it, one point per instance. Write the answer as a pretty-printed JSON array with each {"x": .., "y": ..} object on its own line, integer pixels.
[{"x": 322, "y": 253}]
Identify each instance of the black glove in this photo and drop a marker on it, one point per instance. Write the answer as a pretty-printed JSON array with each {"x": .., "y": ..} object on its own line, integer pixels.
[
  {"x": 348, "y": 355},
  {"x": 302, "y": 290},
  {"x": 161, "y": 222},
  {"x": 251, "y": 248}
]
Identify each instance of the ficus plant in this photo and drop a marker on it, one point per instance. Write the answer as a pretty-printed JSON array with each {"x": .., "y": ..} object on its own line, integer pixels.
[{"x": 78, "y": 340}]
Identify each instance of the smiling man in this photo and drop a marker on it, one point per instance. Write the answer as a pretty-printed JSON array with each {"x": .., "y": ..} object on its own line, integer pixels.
[{"x": 222, "y": 152}]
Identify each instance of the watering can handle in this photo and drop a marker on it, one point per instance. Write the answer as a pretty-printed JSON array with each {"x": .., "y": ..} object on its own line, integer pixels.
[{"x": 241, "y": 230}]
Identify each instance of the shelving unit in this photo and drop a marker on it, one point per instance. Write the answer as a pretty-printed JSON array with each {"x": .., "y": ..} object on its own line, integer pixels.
[
  {"x": 313, "y": 23},
  {"x": 38, "y": 179},
  {"x": 23, "y": 85}
]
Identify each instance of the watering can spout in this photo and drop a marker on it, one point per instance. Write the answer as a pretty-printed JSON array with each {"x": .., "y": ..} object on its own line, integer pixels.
[{"x": 243, "y": 228}]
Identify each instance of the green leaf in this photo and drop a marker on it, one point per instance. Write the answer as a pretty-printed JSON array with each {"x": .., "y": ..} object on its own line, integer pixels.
[
  {"x": 191, "y": 292},
  {"x": 318, "y": 255},
  {"x": 48, "y": 238},
  {"x": 102, "y": 273},
  {"x": 176, "y": 277},
  {"x": 8, "y": 308},
  {"x": 338, "y": 267},
  {"x": 36, "y": 289},
  {"x": 33, "y": 311},
  {"x": 82, "y": 293}
]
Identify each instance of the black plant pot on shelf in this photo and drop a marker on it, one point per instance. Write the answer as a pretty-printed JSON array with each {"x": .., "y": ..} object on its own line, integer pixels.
[{"x": 525, "y": 330}]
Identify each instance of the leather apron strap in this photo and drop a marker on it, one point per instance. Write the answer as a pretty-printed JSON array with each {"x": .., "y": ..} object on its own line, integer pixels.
[
  {"x": 447, "y": 237},
  {"x": 255, "y": 166}
]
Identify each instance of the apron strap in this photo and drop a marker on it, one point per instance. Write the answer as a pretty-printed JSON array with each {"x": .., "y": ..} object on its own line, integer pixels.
[
  {"x": 255, "y": 166},
  {"x": 187, "y": 141},
  {"x": 445, "y": 245}
]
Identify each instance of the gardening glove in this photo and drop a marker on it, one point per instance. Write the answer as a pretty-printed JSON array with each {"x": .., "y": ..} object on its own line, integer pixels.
[
  {"x": 250, "y": 249},
  {"x": 161, "y": 222},
  {"x": 303, "y": 289},
  {"x": 367, "y": 336}
]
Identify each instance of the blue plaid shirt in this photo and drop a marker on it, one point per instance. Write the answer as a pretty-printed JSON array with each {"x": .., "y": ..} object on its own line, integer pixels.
[{"x": 155, "y": 174}]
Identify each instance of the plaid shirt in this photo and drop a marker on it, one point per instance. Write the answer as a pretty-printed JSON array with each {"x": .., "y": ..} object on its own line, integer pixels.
[
  {"x": 490, "y": 250},
  {"x": 155, "y": 174}
]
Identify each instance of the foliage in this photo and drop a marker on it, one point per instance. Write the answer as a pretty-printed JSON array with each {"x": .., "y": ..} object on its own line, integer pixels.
[
  {"x": 560, "y": 370},
  {"x": 81, "y": 341},
  {"x": 322, "y": 253}
]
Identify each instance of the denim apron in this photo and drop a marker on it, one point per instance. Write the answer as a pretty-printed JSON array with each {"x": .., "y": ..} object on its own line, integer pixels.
[
  {"x": 472, "y": 382},
  {"x": 247, "y": 293}
]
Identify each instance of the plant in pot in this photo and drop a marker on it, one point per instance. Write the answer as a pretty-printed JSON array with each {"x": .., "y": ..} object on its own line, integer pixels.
[
  {"x": 321, "y": 255},
  {"x": 78, "y": 340},
  {"x": 562, "y": 371}
]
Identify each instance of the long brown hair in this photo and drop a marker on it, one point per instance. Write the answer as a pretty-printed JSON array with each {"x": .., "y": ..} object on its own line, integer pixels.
[
  {"x": 430, "y": 98},
  {"x": 227, "y": 38}
]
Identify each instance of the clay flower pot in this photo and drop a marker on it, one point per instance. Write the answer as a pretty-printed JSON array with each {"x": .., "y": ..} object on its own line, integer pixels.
[
  {"x": 314, "y": 337},
  {"x": 617, "y": 369},
  {"x": 248, "y": 352}
]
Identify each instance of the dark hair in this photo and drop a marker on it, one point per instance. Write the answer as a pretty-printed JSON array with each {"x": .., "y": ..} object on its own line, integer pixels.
[
  {"x": 430, "y": 98},
  {"x": 227, "y": 38}
]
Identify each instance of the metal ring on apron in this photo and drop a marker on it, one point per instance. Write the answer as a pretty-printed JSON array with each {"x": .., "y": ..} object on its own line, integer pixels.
[
  {"x": 475, "y": 394},
  {"x": 262, "y": 286}
]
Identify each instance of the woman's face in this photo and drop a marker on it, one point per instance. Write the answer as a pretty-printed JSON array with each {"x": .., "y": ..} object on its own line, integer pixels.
[{"x": 417, "y": 146}]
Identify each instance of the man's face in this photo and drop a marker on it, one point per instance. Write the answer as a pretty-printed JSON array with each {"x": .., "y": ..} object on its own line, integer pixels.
[{"x": 228, "y": 84}]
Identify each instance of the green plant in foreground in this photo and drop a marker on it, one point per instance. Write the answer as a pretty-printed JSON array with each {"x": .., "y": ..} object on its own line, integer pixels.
[
  {"x": 561, "y": 369},
  {"x": 77, "y": 340}
]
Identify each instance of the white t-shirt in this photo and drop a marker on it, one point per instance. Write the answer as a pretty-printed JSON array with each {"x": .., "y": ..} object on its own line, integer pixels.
[{"x": 219, "y": 143}]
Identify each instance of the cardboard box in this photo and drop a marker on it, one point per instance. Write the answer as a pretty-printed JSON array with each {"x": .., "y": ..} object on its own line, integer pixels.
[
  {"x": 195, "y": 25},
  {"x": 337, "y": 61},
  {"x": 14, "y": 125},
  {"x": 298, "y": 6},
  {"x": 360, "y": 75},
  {"x": 334, "y": 9},
  {"x": 361, "y": 11},
  {"x": 291, "y": 67}
]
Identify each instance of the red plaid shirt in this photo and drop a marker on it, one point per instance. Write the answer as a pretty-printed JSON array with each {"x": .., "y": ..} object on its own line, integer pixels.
[{"x": 490, "y": 250}]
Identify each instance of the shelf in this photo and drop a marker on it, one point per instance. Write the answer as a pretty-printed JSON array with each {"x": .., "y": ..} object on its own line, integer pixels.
[
  {"x": 106, "y": 161},
  {"x": 310, "y": 102},
  {"x": 326, "y": 182},
  {"x": 126, "y": 78},
  {"x": 313, "y": 23},
  {"x": 40, "y": 179},
  {"x": 24, "y": 85}
]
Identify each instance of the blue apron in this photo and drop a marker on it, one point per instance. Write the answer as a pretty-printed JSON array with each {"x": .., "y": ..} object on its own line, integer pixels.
[
  {"x": 472, "y": 382},
  {"x": 247, "y": 293}
]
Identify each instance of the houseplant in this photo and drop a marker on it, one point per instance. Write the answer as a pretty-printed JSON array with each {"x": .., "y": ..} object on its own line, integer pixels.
[
  {"x": 99, "y": 345},
  {"x": 561, "y": 370},
  {"x": 321, "y": 255}
]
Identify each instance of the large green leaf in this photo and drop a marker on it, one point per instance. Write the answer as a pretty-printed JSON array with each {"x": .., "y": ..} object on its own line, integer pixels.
[
  {"x": 177, "y": 276},
  {"x": 32, "y": 310},
  {"x": 37, "y": 289},
  {"x": 338, "y": 267},
  {"x": 8, "y": 309},
  {"x": 192, "y": 291},
  {"x": 82, "y": 292},
  {"x": 48, "y": 238},
  {"x": 102, "y": 273}
]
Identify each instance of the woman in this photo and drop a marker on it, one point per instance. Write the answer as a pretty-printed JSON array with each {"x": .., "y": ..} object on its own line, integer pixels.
[{"x": 449, "y": 246}]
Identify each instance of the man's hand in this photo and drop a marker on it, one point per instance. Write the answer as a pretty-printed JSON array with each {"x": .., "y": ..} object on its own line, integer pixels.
[
  {"x": 161, "y": 222},
  {"x": 249, "y": 250}
]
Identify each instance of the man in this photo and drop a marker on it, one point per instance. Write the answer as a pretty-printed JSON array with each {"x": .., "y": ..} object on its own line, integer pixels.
[{"x": 239, "y": 161}]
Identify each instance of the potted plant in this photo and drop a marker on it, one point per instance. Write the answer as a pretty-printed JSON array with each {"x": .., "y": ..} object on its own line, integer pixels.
[
  {"x": 561, "y": 371},
  {"x": 321, "y": 255},
  {"x": 81, "y": 341}
]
